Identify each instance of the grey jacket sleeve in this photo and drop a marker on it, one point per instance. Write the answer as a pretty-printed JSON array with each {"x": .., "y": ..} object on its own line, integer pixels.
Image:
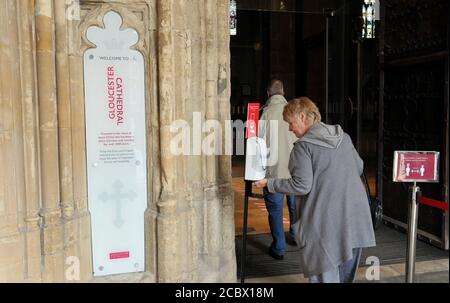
[{"x": 301, "y": 171}]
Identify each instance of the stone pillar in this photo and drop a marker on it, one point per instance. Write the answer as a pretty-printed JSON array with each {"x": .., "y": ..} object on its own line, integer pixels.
[
  {"x": 190, "y": 226},
  {"x": 65, "y": 132},
  {"x": 153, "y": 143},
  {"x": 168, "y": 255},
  {"x": 195, "y": 53},
  {"x": 71, "y": 136},
  {"x": 31, "y": 228},
  {"x": 195, "y": 73},
  {"x": 182, "y": 39},
  {"x": 81, "y": 217},
  {"x": 12, "y": 191},
  {"x": 212, "y": 203},
  {"x": 226, "y": 190},
  {"x": 48, "y": 126}
]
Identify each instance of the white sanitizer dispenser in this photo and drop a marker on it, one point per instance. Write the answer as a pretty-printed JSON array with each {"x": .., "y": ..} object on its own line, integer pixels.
[{"x": 255, "y": 161}]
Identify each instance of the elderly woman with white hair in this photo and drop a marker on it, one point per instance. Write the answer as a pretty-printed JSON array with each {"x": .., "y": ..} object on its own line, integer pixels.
[{"x": 326, "y": 171}]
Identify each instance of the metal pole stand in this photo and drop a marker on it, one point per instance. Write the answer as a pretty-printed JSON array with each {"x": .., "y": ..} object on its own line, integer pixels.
[
  {"x": 248, "y": 190},
  {"x": 248, "y": 193},
  {"x": 412, "y": 233}
]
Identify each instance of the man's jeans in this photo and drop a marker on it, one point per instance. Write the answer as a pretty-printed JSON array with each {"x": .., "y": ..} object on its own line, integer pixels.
[
  {"x": 344, "y": 273},
  {"x": 274, "y": 205}
]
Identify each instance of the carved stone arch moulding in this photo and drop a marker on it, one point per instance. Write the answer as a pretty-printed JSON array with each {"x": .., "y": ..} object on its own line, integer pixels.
[{"x": 137, "y": 17}]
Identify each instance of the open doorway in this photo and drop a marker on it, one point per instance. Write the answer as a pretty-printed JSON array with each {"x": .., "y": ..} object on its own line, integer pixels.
[
  {"x": 313, "y": 52},
  {"x": 263, "y": 48}
]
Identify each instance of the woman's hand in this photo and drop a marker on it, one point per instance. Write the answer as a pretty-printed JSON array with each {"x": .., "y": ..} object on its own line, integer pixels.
[{"x": 260, "y": 183}]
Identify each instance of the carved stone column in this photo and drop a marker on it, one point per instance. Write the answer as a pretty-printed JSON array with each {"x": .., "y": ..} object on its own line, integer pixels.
[
  {"x": 66, "y": 181},
  {"x": 31, "y": 229},
  {"x": 168, "y": 254},
  {"x": 225, "y": 188},
  {"x": 48, "y": 126},
  {"x": 12, "y": 189},
  {"x": 213, "y": 204}
]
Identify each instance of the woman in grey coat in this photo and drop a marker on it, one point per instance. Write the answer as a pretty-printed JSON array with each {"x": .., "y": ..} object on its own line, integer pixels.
[{"x": 325, "y": 169}]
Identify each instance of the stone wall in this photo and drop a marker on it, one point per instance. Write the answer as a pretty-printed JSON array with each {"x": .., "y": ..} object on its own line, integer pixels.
[{"x": 44, "y": 217}]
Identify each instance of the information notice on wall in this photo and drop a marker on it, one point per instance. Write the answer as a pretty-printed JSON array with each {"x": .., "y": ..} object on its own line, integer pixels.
[{"x": 114, "y": 82}]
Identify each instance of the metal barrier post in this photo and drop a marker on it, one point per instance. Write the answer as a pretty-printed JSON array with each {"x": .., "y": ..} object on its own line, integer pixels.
[
  {"x": 248, "y": 194},
  {"x": 248, "y": 190},
  {"x": 412, "y": 234}
]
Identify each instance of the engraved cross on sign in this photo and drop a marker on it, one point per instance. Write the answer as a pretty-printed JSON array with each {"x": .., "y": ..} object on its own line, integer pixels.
[{"x": 118, "y": 197}]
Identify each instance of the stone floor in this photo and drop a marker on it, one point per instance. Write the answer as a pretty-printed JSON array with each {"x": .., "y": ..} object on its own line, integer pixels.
[{"x": 436, "y": 271}]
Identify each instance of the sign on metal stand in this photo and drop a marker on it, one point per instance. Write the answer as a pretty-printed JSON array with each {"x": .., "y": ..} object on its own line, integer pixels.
[{"x": 414, "y": 166}]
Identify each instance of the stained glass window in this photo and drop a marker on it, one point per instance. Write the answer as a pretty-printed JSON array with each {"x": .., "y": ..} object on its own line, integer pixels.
[
  {"x": 369, "y": 15},
  {"x": 233, "y": 18}
]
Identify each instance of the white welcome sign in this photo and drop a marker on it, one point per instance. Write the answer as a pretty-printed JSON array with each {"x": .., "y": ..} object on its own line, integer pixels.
[{"x": 116, "y": 147}]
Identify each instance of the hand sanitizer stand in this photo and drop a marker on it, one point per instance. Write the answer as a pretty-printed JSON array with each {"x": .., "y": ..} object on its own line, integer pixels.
[{"x": 255, "y": 163}]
